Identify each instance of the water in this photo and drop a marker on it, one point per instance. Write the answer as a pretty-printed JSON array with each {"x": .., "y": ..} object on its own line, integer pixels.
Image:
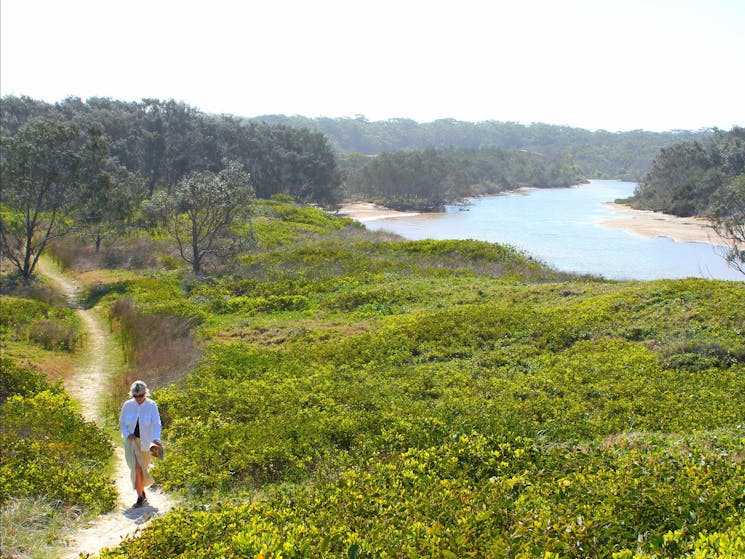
[{"x": 560, "y": 226}]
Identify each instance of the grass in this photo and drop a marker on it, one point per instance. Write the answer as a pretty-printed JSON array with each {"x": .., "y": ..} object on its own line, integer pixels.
[{"x": 35, "y": 528}]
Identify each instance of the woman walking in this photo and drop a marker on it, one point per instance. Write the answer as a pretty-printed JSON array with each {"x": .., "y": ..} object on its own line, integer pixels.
[{"x": 140, "y": 424}]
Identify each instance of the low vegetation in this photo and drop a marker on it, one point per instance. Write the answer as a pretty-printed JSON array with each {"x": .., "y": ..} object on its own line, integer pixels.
[
  {"x": 52, "y": 462},
  {"x": 351, "y": 395},
  {"x": 368, "y": 397}
]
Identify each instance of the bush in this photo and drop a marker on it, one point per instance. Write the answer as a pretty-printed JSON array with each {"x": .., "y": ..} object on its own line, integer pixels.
[
  {"x": 48, "y": 450},
  {"x": 22, "y": 380},
  {"x": 124, "y": 254},
  {"x": 486, "y": 497},
  {"x": 54, "y": 336},
  {"x": 52, "y": 327}
]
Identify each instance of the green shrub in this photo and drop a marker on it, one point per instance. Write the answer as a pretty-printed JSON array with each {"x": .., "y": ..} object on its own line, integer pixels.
[
  {"x": 22, "y": 380},
  {"x": 48, "y": 450},
  {"x": 50, "y": 326},
  {"x": 485, "y": 497},
  {"x": 271, "y": 303},
  {"x": 408, "y": 399}
]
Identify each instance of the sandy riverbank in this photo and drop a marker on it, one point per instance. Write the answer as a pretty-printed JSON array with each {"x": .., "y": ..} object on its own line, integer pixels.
[
  {"x": 639, "y": 222},
  {"x": 366, "y": 211},
  {"x": 655, "y": 224}
]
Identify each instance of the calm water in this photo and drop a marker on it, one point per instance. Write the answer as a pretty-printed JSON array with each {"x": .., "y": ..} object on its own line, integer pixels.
[{"x": 561, "y": 227}]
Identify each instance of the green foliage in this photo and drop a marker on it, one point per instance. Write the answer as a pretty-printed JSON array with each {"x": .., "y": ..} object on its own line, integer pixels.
[
  {"x": 728, "y": 218},
  {"x": 46, "y": 449},
  {"x": 375, "y": 408},
  {"x": 365, "y": 398},
  {"x": 159, "y": 142},
  {"x": 41, "y": 168},
  {"x": 426, "y": 180},
  {"x": 408, "y": 180},
  {"x": 51, "y": 327},
  {"x": 19, "y": 380},
  {"x": 598, "y": 154},
  {"x": 286, "y": 210},
  {"x": 689, "y": 178},
  {"x": 486, "y": 497},
  {"x": 503, "y": 366},
  {"x": 202, "y": 209}
]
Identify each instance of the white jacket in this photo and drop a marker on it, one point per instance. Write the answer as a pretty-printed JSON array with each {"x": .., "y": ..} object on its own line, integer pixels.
[{"x": 148, "y": 416}]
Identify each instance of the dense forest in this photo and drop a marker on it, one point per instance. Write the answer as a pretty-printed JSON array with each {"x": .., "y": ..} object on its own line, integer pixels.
[
  {"x": 426, "y": 180},
  {"x": 155, "y": 144},
  {"x": 599, "y": 154},
  {"x": 693, "y": 177},
  {"x": 161, "y": 142},
  {"x": 398, "y": 163}
]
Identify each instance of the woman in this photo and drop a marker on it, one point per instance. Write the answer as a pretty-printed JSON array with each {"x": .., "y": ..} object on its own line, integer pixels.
[{"x": 140, "y": 424}]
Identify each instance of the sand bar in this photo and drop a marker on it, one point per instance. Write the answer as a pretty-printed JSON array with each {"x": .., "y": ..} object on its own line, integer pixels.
[
  {"x": 639, "y": 222},
  {"x": 367, "y": 211},
  {"x": 655, "y": 224}
]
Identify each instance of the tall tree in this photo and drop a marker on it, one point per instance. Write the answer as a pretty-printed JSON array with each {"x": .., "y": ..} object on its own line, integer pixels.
[
  {"x": 291, "y": 161},
  {"x": 41, "y": 168},
  {"x": 110, "y": 193},
  {"x": 687, "y": 177},
  {"x": 728, "y": 220},
  {"x": 202, "y": 208}
]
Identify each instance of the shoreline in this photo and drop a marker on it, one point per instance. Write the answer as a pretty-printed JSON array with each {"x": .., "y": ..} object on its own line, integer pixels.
[
  {"x": 367, "y": 211},
  {"x": 650, "y": 224},
  {"x": 645, "y": 223}
]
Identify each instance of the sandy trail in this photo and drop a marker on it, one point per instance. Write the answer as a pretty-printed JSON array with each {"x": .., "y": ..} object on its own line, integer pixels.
[{"x": 101, "y": 354}]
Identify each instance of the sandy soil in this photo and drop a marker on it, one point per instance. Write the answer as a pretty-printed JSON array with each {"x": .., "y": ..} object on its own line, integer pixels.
[
  {"x": 101, "y": 354},
  {"x": 366, "y": 211},
  {"x": 655, "y": 224}
]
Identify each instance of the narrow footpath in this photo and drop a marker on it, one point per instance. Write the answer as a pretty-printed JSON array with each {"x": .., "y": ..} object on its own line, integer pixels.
[{"x": 101, "y": 355}]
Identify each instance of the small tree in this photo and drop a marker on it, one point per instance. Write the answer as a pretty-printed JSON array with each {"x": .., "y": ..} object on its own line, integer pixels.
[
  {"x": 728, "y": 220},
  {"x": 40, "y": 167},
  {"x": 202, "y": 208}
]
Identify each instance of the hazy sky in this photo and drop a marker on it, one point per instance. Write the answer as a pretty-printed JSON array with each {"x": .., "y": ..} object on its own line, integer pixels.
[{"x": 611, "y": 64}]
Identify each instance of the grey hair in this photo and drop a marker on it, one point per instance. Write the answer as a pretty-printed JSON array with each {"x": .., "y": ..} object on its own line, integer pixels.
[{"x": 137, "y": 387}]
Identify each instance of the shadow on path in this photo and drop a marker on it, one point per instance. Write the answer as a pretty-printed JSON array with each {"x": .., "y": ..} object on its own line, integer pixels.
[{"x": 141, "y": 514}]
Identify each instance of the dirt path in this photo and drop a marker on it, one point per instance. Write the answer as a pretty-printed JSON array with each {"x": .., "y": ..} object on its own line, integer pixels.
[{"x": 101, "y": 355}]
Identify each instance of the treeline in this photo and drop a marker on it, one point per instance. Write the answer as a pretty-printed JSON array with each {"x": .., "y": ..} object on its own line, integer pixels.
[
  {"x": 103, "y": 168},
  {"x": 156, "y": 144},
  {"x": 599, "y": 154},
  {"x": 426, "y": 180},
  {"x": 695, "y": 177},
  {"x": 163, "y": 141}
]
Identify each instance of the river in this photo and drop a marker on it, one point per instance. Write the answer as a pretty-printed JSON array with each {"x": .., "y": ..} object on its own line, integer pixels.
[{"x": 562, "y": 227}]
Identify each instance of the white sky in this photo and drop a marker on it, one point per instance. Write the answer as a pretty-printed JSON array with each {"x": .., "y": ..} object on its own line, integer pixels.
[{"x": 610, "y": 64}]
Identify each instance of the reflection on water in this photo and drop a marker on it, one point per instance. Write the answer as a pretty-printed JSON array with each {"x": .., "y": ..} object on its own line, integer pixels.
[{"x": 561, "y": 226}]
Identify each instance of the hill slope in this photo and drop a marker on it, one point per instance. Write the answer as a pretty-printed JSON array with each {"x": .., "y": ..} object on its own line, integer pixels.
[
  {"x": 598, "y": 154},
  {"x": 379, "y": 398}
]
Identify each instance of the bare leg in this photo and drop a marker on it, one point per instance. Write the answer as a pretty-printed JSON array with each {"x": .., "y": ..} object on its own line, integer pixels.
[{"x": 139, "y": 481}]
